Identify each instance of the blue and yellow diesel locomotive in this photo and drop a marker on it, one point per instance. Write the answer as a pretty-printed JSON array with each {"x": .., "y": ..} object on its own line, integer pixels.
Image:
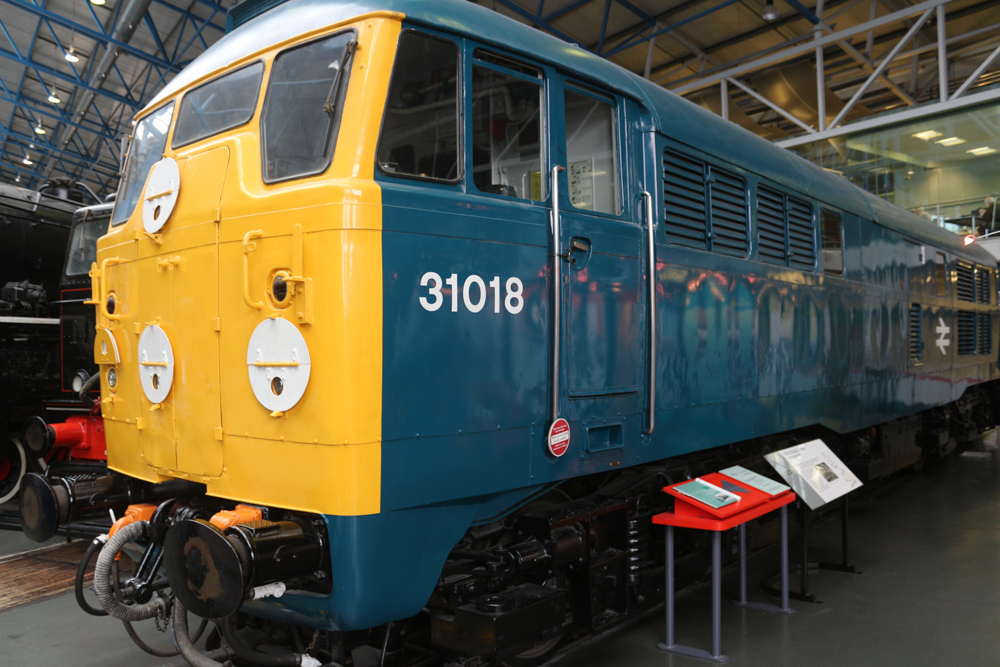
[{"x": 477, "y": 231}]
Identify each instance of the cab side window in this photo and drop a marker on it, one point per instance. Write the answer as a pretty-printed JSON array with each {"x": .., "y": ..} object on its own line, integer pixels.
[
  {"x": 420, "y": 132},
  {"x": 833, "y": 243},
  {"x": 507, "y": 135},
  {"x": 302, "y": 110},
  {"x": 592, "y": 152}
]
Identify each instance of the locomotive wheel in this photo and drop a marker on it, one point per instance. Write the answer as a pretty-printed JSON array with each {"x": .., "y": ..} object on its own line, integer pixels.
[
  {"x": 543, "y": 651},
  {"x": 536, "y": 655},
  {"x": 12, "y": 468}
]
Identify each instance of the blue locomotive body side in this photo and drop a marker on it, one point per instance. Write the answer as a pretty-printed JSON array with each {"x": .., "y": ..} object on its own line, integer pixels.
[{"x": 745, "y": 348}]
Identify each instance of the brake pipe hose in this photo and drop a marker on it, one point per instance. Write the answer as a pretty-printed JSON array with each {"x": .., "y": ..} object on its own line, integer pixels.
[
  {"x": 102, "y": 577},
  {"x": 264, "y": 659},
  {"x": 183, "y": 641},
  {"x": 81, "y": 573}
]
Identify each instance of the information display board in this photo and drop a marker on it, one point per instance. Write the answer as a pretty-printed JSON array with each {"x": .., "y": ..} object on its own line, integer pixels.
[{"x": 814, "y": 472}]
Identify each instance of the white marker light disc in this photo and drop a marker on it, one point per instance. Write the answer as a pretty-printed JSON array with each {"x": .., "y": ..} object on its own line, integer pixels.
[
  {"x": 156, "y": 363},
  {"x": 161, "y": 194},
  {"x": 278, "y": 364}
]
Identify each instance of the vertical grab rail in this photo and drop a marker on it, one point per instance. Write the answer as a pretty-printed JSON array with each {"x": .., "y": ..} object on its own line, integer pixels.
[
  {"x": 651, "y": 283},
  {"x": 556, "y": 288}
]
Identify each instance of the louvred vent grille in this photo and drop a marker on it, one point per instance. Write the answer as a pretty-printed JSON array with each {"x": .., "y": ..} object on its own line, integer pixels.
[
  {"x": 964, "y": 285},
  {"x": 801, "y": 240},
  {"x": 966, "y": 333},
  {"x": 916, "y": 333},
  {"x": 729, "y": 214},
  {"x": 684, "y": 200},
  {"x": 771, "y": 226}
]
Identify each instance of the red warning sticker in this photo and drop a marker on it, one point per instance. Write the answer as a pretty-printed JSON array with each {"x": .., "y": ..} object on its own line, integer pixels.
[{"x": 558, "y": 438}]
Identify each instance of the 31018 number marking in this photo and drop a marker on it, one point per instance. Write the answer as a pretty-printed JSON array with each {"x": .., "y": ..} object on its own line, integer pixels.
[{"x": 474, "y": 293}]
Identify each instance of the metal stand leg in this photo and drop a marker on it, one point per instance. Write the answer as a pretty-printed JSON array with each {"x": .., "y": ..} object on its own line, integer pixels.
[
  {"x": 804, "y": 572},
  {"x": 803, "y": 594},
  {"x": 843, "y": 565},
  {"x": 743, "y": 564},
  {"x": 669, "y": 645},
  {"x": 784, "y": 608},
  {"x": 784, "y": 562},
  {"x": 670, "y": 586},
  {"x": 717, "y": 595}
]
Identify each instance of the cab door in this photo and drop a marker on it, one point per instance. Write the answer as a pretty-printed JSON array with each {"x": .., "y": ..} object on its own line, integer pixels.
[
  {"x": 602, "y": 243},
  {"x": 177, "y": 268}
]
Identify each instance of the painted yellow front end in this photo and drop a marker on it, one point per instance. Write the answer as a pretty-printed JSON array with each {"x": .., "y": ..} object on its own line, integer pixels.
[{"x": 200, "y": 278}]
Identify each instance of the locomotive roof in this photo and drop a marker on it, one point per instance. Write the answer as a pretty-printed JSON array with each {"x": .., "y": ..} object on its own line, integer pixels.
[
  {"x": 18, "y": 199},
  {"x": 675, "y": 116}
]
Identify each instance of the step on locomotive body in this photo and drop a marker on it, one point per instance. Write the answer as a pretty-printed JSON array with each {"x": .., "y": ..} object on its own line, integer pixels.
[{"x": 367, "y": 257}]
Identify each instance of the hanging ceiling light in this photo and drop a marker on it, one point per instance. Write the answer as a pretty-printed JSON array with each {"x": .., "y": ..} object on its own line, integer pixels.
[
  {"x": 97, "y": 2},
  {"x": 27, "y": 161},
  {"x": 71, "y": 56},
  {"x": 770, "y": 12},
  {"x": 39, "y": 129},
  {"x": 54, "y": 97},
  {"x": 17, "y": 179}
]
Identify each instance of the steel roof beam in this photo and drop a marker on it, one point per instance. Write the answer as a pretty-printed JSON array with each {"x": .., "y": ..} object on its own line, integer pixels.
[
  {"x": 628, "y": 44},
  {"x": 975, "y": 75},
  {"x": 885, "y": 62},
  {"x": 56, "y": 74},
  {"x": 217, "y": 6},
  {"x": 561, "y": 12},
  {"x": 539, "y": 21},
  {"x": 910, "y": 113},
  {"x": 125, "y": 26},
  {"x": 24, "y": 75},
  {"x": 718, "y": 74},
  {"x": 24, "y": 144},
  {"x": 197, "y": 35},
  {"x": 756, "y": 32},
  {"x": 58, "y": 117},
  {"x": 803, "y": 11},
  {"x": 91, "y": 163},
  {"x": 96, "y": 35}
]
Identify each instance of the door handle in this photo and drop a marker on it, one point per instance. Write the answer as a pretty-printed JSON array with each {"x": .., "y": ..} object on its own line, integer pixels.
[{"x": 579, "y": 253}]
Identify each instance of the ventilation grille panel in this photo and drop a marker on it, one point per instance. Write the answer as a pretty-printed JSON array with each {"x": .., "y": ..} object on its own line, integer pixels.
[
  {"x": 771, "y": 226},
  {"x": 684, "y": 200},
  {"x": 916, "y": 333},
  {"x": 729, "y": 214},
  {"x": 984, "y": 332},
  {"x": 982, "y": 285},
  {"x": 964, "y": 286},
  {"x": 966, "y": 333},
  {"x": 801, "y": 239}
]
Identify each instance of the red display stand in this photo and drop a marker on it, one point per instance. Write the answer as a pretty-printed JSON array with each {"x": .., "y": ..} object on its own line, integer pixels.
[{"x": 691, "y": 513}]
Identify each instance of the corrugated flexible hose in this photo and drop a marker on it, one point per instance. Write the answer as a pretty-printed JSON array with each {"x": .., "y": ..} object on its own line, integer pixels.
[
  {"x": 102, "y": 578},
  {"x": 183, "y": 640}
]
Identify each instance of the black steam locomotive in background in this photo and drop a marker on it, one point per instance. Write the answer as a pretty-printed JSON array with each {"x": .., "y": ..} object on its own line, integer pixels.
[{"x": 47, "y": 242}]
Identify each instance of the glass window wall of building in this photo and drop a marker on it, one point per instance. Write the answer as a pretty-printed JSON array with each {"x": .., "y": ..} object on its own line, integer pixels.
[{"x": 945, "y": 168}]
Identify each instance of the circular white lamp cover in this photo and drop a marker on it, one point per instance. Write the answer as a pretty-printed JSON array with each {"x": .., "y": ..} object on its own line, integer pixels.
[
  {"x": 161, "y": 194},
  {"x": 278, "y": 364},
  {"x": 156, "y": 363}
]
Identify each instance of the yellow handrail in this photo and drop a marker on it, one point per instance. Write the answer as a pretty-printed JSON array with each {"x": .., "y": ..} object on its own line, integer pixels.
[{"x": 249, "y": 247}]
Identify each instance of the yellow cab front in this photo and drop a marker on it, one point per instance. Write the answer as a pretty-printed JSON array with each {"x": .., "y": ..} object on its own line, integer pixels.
[{"x": 239, "y": 287}]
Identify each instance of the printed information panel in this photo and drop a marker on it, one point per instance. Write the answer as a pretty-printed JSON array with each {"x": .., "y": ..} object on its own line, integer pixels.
[{"x": 814, "y": 472}]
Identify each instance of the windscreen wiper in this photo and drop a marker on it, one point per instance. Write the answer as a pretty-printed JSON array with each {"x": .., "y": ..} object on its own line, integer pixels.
[{"x": 349, "y": 50}]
